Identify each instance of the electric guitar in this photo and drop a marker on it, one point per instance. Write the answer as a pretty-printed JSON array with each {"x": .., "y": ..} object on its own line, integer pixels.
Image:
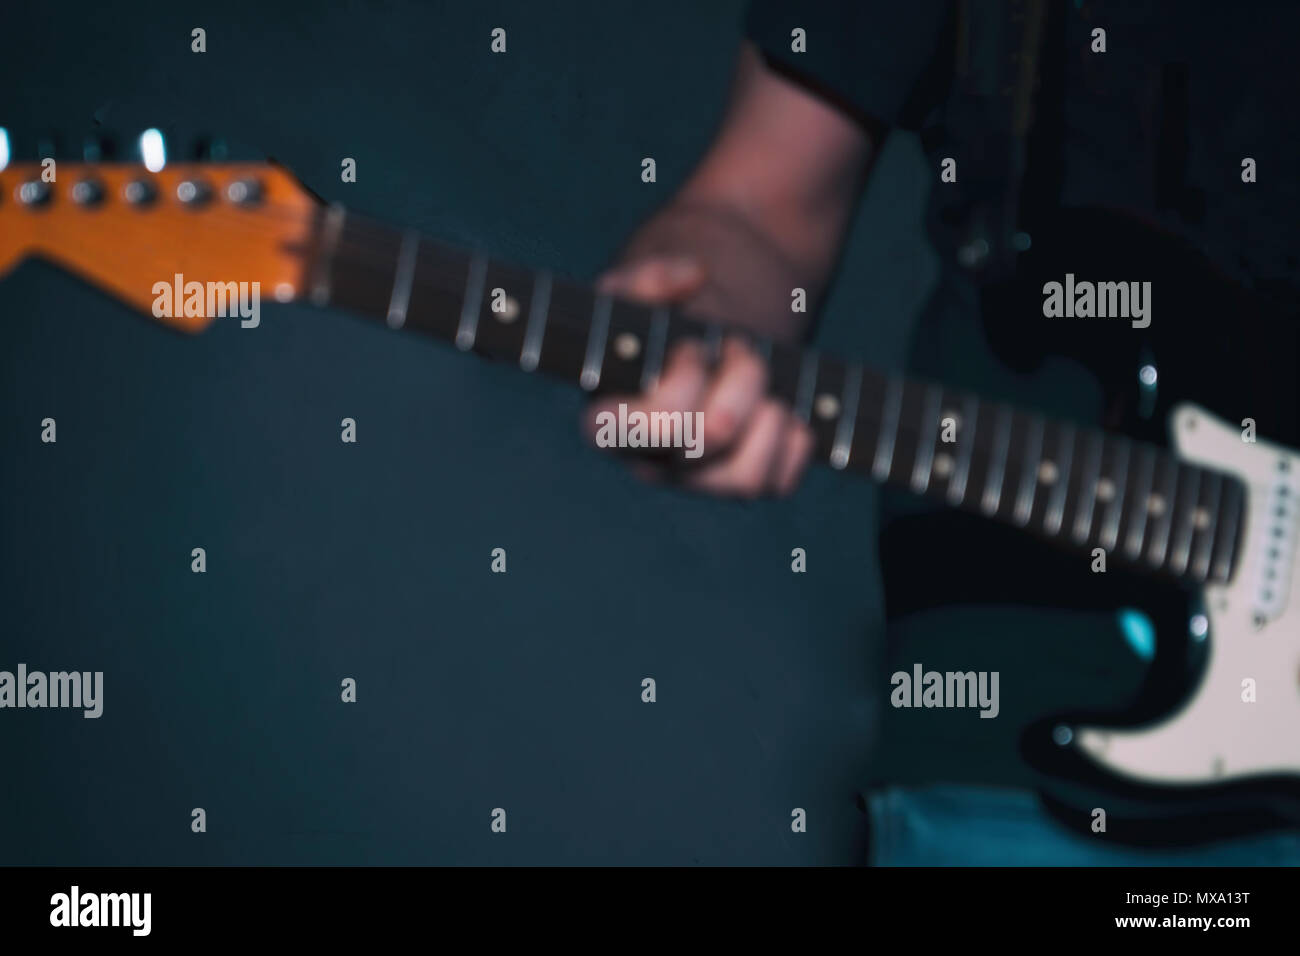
[{"x": 1213, "y": 513}]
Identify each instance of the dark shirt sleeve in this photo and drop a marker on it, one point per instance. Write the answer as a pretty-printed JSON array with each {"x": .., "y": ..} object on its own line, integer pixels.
[{"x": 876, "y": 60}]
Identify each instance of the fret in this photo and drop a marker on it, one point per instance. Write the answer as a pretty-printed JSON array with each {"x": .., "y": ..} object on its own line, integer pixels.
[
  {"x": 1233, "y": 502},
  {"x": 474, "y": 281},
  {"x": 992, "y": 498},
  {"x": 568, "y": 331},
  {"x": 848, "y": 417},
  {"x": 966, "y": 427},
  {"x": 807, "y": 383},
  {"x": 1185, "y": 522},
  {"x": 1137, "y": 530},
  {"x": 595, "y": 359},
  {"x": 1110, "y": 524},
  {"x": 402, "y": 279},
  {"x": 924, "y": 464},
  {"x": 1160, "y": 539},
  {"x": 1088, "y": 489},
  {"x": 1065, "y": 458},
  {"x": 362, "y": 281},
  {"x": 1029, "y": 473},
  {"x": 656, "y": 345},
  {"x": 884, "y": 460},
  {"x": 333, "y": 228},
  {"x": 538, "y": 310},
  {"x": 1205, "y": 542},
  {"x": 907, "y": 437}
]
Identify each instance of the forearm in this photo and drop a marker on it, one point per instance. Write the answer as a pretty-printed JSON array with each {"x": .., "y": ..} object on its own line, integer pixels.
[{"x": 766, "y": 209}]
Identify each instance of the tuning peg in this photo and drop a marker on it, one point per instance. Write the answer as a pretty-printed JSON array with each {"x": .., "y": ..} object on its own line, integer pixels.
[
  {"x": 152, "y": 149},
  {"x": 47, "y": 147},
  {"x": 98, "y": 148},
  {"x": 207, "y": 149}
]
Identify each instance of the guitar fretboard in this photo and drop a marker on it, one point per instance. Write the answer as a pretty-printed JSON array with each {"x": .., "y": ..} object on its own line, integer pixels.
[{"x": 1077, "y": 486}]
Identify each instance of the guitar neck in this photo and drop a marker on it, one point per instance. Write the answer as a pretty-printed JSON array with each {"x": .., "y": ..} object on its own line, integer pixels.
[{"x": 1080, "y": 487}]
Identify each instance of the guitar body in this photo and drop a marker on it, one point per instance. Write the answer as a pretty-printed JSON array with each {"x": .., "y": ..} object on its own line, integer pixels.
[
  {"x": 1251, "y": 677},
  {"x": 1197, "y": 754},
  {"x": 1213, "y": 764}
]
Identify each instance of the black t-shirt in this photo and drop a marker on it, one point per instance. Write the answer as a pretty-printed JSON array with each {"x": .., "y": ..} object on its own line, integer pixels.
[{"x": 1157, "y": 126}]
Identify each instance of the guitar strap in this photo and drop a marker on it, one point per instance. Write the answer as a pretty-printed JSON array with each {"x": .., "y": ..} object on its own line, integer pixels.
[{"x": 991, "y": 112}]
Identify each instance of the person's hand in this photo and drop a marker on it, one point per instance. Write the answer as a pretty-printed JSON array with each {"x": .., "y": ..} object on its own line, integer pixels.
[{"x": 752, "y": 444}]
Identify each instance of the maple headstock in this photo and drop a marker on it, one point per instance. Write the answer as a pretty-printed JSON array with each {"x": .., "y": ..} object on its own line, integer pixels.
[{"x": 124, "y": 228}]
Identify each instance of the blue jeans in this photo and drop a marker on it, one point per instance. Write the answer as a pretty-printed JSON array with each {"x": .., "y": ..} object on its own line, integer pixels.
[{"x": 987, "y": 826}]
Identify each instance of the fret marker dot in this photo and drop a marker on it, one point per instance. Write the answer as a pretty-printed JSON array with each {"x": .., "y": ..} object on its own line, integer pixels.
[
  {"x": 1156, "y": 505},
  {"x": 627, "y": 346},
  {"x": 1105, "y": 489},
  {"x": 509, "y": 310},
  {"x": 284, "y": 292},
  {"x": 943, "y": 464},
  {"x": 1048, "y": 473},
  {"x": 827, "y": 406},
  {"x": 1201, "y": 519}
]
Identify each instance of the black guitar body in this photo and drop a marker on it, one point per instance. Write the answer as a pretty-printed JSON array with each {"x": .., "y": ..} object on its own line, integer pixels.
[{"x": 1211, "y": 341}]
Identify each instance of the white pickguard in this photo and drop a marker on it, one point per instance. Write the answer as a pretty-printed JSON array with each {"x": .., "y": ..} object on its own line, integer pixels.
[{"x": 1254, "y": 635}]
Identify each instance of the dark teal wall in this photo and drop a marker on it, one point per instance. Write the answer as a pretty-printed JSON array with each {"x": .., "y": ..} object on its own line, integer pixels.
[{"x": 371, "y": 560}]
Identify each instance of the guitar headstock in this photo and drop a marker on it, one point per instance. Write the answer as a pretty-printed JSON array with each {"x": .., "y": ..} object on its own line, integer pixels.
[{"x": 125, "y": 228}]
